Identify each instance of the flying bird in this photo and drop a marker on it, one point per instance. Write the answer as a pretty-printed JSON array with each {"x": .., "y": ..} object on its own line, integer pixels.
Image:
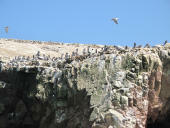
[
  {"x": 115, "y": 20},
  {"x": 6, "y": 29}
]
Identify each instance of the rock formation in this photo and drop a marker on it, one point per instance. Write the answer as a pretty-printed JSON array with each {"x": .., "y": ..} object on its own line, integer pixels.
[{"x": 111, "y": 88}]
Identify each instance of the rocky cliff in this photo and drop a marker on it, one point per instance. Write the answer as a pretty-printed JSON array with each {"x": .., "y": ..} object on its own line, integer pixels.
[{"x": 104, "y": 87}]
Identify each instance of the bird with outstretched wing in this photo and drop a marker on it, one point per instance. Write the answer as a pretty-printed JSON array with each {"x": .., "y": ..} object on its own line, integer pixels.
[{"x": 115, "y": 20}]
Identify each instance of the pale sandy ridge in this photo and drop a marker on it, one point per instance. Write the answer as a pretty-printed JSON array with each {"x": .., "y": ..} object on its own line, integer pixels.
[{"x": 9, "y": 48}]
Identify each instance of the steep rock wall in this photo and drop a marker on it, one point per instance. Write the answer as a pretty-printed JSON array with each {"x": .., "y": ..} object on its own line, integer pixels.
[{"x": 119, "y": 89}]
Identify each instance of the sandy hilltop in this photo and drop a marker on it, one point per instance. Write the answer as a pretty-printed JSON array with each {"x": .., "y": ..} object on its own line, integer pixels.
[{"x": 10, "y": 48}]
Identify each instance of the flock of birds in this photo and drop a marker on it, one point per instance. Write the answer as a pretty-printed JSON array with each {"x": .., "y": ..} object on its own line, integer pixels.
[{"x": 114, "y": 19}]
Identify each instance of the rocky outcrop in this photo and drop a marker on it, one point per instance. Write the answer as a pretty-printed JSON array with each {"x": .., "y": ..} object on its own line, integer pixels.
[
  {"x": 159, "y": 83},
  {"x": 114, "y": 88}
]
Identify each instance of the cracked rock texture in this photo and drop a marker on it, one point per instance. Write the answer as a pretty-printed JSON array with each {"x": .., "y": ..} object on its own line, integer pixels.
[{"x": 111, "y": 88}]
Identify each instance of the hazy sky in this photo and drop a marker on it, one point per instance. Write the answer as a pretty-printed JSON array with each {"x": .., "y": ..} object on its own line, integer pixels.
[{"x": 87, "y": 21}]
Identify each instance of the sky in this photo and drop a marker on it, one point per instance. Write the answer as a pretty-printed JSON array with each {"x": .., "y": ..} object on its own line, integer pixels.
[{"x": 87, "y": 21}]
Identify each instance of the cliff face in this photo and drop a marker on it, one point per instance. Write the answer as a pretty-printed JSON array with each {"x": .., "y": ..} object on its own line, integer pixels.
[{"x": 111, "y": 88}]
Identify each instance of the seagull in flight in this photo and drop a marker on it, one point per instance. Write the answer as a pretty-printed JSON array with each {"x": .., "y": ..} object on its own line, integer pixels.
[
  {"x": 6, "y": 29},
  {"x": 115, "y": 20}
]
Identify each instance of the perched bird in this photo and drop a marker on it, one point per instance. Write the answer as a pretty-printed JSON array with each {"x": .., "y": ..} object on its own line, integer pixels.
[
  {"x": 115, "y": 20},
  {"x": 105, "y": 48},
  {"x": 73, "y": 54},
  {"x": 84, "y": 51},
  {"x": 76, "y": 52},
  {"x": 66, "y": 56},
  {"x": 147, "y": 46},
  {"x": 6, "y": 29},
  {"x": 134, "y": 45},
  {"x": 165, "y": 42},
  {"x": 38, "y": 53},
  {"x": 88, "y": 49},
  {"x": 95, "y": 50},
  {"x": 126, "y": 47}
]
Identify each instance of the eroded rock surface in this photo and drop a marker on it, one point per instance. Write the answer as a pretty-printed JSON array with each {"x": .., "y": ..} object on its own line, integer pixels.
[{"x": 110, "y": 88}]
